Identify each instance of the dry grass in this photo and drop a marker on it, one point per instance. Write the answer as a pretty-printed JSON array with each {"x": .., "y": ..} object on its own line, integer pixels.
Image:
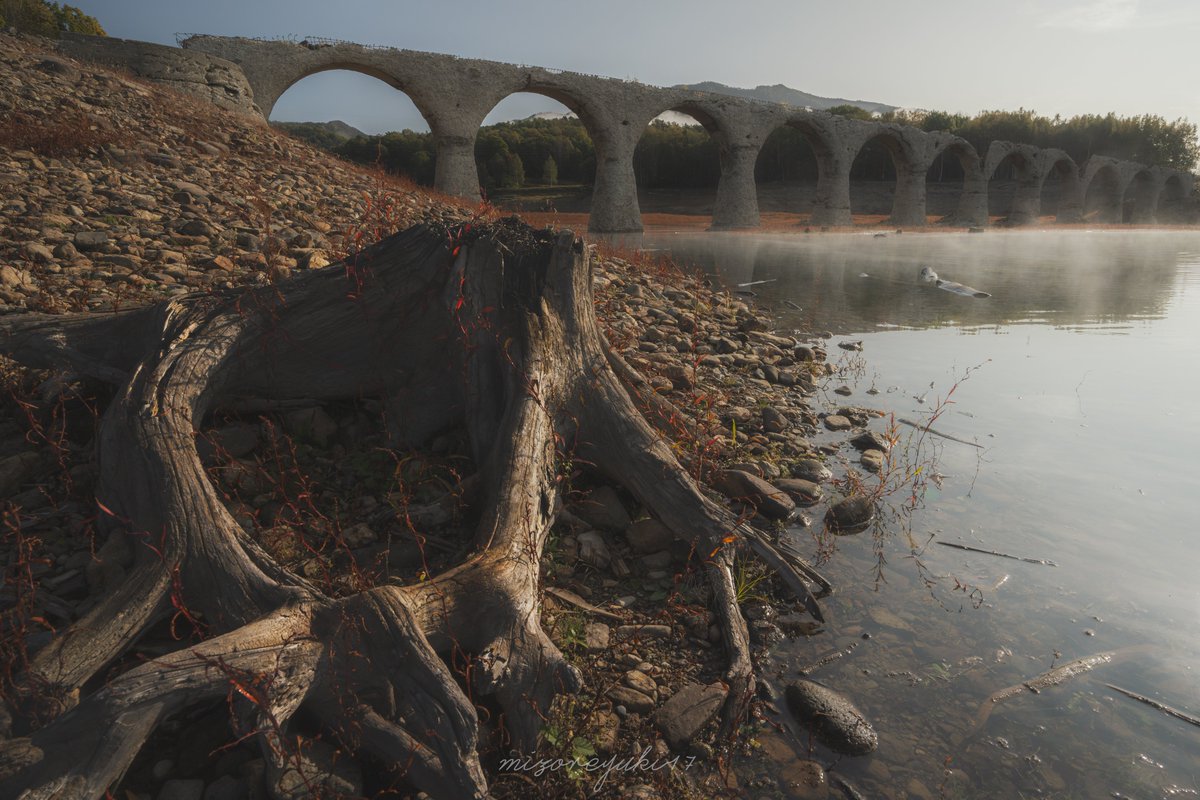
[{"x": 69, "y": 133}]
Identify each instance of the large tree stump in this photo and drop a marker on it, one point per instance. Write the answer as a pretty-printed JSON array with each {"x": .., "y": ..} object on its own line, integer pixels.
[{"x": 490, "y": 328}]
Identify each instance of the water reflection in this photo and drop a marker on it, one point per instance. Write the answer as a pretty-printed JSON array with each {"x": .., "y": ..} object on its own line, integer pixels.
[
  {"x": 1039, "y": 277},
  {"x": 1090, "y": 441}
]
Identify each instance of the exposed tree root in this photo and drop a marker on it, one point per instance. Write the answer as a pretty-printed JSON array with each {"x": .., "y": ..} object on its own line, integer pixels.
[{"x": 492, "y": 329}]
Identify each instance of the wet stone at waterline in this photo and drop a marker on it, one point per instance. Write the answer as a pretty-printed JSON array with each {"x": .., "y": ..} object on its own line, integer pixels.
[
  {"x": 851, "y": 514},
  {"x": 836, "y": 422},
  {"x": 769, "y": 500},
  {"x": 805, "y": 493},
  {"x": 811, "y": 469},
  {"x": 872, "y": 460},
  {"x": 833, "y": 719},
  {"x": 871, "y": 440}
]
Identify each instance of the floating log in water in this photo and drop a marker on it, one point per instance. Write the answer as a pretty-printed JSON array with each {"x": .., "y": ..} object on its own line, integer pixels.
[
  {"x": 1063, "y": 672},
  {"x": 928, "y": 429},
  {"x": 1052, "y": 677},
  {"x": 829, "y": 659},
  {"x": 1163, "y": 707},
  {"x": 1045, "y": 561}
]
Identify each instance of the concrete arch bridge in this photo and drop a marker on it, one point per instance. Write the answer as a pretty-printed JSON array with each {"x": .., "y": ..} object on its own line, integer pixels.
[{"x": 456, "y": 94}]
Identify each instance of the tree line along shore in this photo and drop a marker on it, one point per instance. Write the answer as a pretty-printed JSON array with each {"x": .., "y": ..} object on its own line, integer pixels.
[{"x": 547, "y": 152}]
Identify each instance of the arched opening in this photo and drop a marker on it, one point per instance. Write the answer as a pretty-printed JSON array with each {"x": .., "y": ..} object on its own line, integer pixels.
[
  {"x": 1058, "y": 188},
  {"x": 1102, "y": 201},
  {"x": 1172, "y": 208},
  {"x": 873, "y": 196},
  {"x": 1137, "y": 205},
  {"x": 360, "y": 117},
  {"x": 786, "y": 173},
  {"x": 534, "y": 154},
  {"x": 945, "y": 182},
  {"x": 677, "y": 165},
  {"x": 1002, "y": 189}
]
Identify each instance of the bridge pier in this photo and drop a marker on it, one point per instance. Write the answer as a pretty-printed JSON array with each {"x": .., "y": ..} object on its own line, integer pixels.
[
  {"x": 972, "y": 210},
  {"x": 1144, "y": 192},
  {"x": 614, "y": 196},
  {"x": 831, "y": 206},
  {"x": 1027, "y": 200},
  {"x": 908, "y": 207},
  {"x": 1070, "y": 206},
  {"x": 1106, "y": 207},
  {"x": 736, "y": 205},
  {"x": 454, "y": 172}
]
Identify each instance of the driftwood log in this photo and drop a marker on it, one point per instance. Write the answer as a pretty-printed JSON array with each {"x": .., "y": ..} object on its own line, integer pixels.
[{"x": 491, "y": 328}]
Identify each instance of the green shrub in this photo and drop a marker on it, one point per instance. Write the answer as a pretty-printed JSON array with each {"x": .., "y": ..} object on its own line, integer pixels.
[
  {"x": 47, "y": 19},
  {"x": 70, "y": 18}
]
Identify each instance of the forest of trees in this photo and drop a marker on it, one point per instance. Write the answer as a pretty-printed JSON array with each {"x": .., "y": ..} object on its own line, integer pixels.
[
  {"x": 540, "y": 151},
  {"x": 46, "y": 19}
]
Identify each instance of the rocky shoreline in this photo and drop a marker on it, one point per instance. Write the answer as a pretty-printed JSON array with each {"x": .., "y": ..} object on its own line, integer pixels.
[{"x": 119, "y": 193}]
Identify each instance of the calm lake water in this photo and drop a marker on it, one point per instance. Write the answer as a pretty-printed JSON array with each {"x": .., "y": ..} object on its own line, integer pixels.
[{"x": 1080, "y": 377}]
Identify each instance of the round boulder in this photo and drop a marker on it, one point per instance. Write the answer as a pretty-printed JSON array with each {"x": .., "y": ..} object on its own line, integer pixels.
[
  {"x": 770, "y": 501},
  {"x": 804, "y": 492},
  {"x": 851, "y": 514},
  {"x": 833, "y": 719},
  {"x": 811, "y": 469}
]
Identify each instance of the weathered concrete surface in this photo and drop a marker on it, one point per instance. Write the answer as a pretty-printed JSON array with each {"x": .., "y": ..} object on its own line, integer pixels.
[
  {"x": 455, "y": 94},
  {"x": 201, "y": 74}
]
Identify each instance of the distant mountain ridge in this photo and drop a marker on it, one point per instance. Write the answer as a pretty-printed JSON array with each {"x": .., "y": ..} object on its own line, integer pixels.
[
  {"x": 786, "y": 95},
  {"x": 345, "y": 130},
  {"x": 322, "y": 134}
]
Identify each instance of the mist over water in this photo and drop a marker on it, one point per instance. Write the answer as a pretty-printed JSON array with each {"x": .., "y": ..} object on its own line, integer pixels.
[{"x": 1084, "y": 374}]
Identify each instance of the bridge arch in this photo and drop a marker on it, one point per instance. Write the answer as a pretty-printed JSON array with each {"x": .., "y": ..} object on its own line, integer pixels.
[
  {"x": 736, "y": 138},
  {"x": 536, "y": 158},
  {"x": 1013, "y": 183},
  {"x": 1058, "y": 187},
  {"x": 1139, "y": 200},
  {"x": 560, "y": 92},
  {"x": 582, "y": 156},
  {"x": 1171, "y": 200},
  {"x": 807, "y": 155},
  {"x": 406, "y": 147},
  {"x": 883, "y": 155},
  {"x": 612, "y": 123},
  {"x": 948, "y": 157},
  {"x": 1102, "y": 191},
  {"x": 395, "y": 81},
  {"x": 690, "y": 156}
]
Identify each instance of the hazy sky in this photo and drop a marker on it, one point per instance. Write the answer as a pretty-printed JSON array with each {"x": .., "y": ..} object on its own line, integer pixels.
[{"x": 1053, "y": 56}]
